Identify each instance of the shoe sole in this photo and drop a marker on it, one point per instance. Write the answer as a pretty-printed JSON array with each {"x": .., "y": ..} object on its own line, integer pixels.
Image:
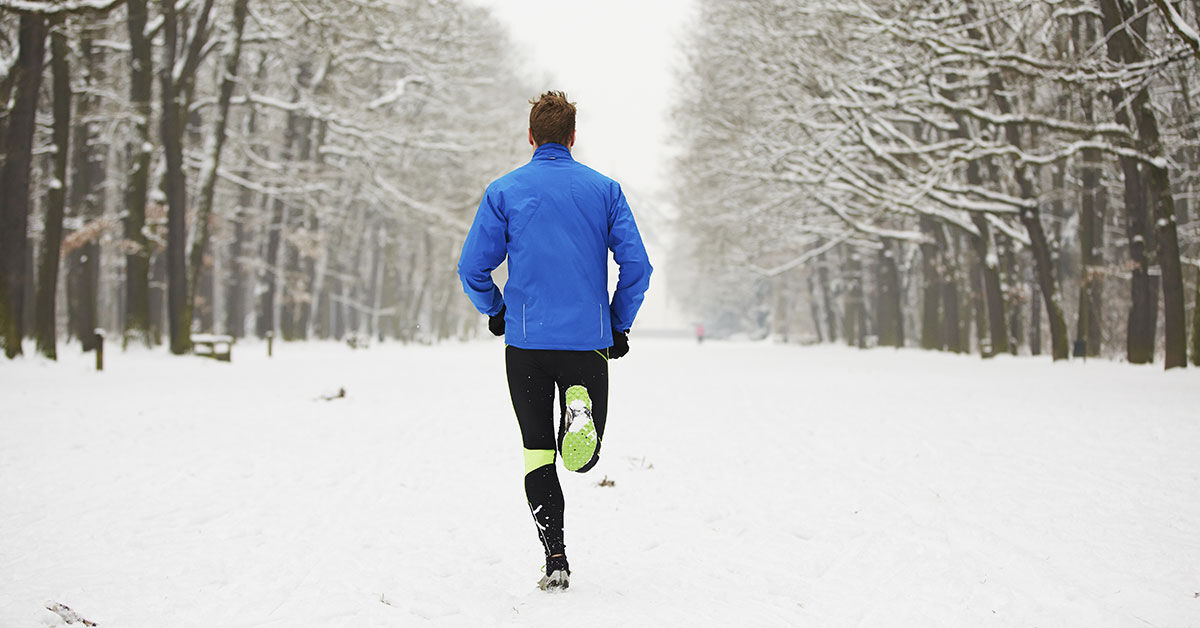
[
  {"x": 557, "y": 581},
  {"x": 579, "y": 441}
]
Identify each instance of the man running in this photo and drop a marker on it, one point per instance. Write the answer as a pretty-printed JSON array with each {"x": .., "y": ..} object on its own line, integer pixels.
[{"x": 556, "y": 220}]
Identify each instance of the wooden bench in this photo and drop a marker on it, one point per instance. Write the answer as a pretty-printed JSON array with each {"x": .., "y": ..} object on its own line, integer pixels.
[{"x": 215, "y": 346}]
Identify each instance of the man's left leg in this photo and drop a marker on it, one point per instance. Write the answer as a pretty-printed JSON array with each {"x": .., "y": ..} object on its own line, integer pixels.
[{"x": 531, "y": 387}]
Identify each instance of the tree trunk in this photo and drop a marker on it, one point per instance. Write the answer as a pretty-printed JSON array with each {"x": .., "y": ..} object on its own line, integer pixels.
[
  {"x": 1012, "y": 268},
  {"x": 235, "y": 297},
  {"x": 890, "y": 323},
  {"x": 266, "y": 272},
  {"x": 47, "y": 317},
  {"x": 993, "y": 291},
  {"x": 208, "y": 177},
  {"x": 137, "y": 258},
  {"x": 953, "y": 338},
  {"x": 855, "y": 309},
  {"x": 314, "y": 321},
  {"x": 978, "y": 308},
  {"x": 1035, "y": 320},
  {"x": 1030, "y": 216},
  {"x": 1093, "y": 202},
  {"x": 1163, "y": 203},
  {"x": 1032, "y": 220},
  {"x": 14, "y": 180},
  {"x": 932, "y": 270},
  {"x": 306, "y": 263},
  {"x": 1119, "y": 18},
  {"x": 376, "y": 285},
  {"x": 172, "y": 127},
  {"x": 84, "y": 194},
  {"x": 814, "y": 305},
  {"x": 1093, "y": 210},
  {"x": 827, "y": 297},
  {"x": 1196, "y": 323},
  {"x": 1143, "y": 313},
  {"x": 158, "y": 293},
  {"x": 272, "y": 274}
]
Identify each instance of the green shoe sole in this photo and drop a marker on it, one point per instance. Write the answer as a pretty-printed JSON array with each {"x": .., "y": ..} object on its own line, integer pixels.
[{"x": 579, "y": 440}]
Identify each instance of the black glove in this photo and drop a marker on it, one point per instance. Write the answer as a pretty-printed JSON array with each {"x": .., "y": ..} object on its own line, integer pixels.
[
  {"x": 496, "y": 322},
  {"x": 620, "y": 344}
]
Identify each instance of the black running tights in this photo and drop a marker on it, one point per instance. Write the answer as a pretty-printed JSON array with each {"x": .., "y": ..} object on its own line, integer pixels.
[{"x": 533, "y": 376}]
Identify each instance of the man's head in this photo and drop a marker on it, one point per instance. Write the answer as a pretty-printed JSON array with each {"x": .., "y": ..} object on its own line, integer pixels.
[{"x": 552, "y": 119}]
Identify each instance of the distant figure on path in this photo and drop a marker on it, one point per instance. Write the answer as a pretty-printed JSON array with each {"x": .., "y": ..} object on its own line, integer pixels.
[
  {"x": 556, "y": 220},
  {"x": 699, "y": 334}
]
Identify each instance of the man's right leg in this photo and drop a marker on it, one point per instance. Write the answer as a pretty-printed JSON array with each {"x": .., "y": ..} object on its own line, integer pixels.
[{"x": 532, "y": 392}]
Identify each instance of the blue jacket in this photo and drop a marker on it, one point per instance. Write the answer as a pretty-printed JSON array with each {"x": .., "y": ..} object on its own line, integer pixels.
[{"x": 555, "y": 220}]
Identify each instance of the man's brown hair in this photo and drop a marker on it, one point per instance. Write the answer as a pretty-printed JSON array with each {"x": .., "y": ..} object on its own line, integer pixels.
[{"x": 552, "y": 119}]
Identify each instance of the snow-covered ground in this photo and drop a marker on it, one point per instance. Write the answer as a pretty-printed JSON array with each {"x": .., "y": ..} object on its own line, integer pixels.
[{"x": 753, "y": 485}]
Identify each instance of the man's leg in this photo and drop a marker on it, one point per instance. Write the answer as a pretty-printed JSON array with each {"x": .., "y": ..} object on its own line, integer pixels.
[
  {"x": 590, "y": 370},
  {"x": 532, "y": 390}
]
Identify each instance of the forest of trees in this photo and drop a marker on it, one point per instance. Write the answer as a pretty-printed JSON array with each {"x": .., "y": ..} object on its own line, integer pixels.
[
  {"x": 963, "y": 175},
  {"x": 300, "y": 169},
  {"x": 960, "y": 175}
]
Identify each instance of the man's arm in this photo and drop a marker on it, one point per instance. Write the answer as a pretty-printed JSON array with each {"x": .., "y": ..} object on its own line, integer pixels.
[
  {"x": 630, "y": 254},
  {"x": 484, "y": 250}
]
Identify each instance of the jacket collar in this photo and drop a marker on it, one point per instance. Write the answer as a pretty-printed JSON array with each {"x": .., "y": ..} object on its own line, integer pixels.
[{"x": 551, "y": 150}]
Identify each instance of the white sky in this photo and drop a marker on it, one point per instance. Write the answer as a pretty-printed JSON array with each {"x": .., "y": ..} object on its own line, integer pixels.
[{"x": 616, "y": 59}]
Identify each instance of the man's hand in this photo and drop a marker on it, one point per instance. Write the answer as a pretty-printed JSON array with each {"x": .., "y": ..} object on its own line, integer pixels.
[
  {"x": 620, "y": 344},
  {"x": 496, "y": 322}
]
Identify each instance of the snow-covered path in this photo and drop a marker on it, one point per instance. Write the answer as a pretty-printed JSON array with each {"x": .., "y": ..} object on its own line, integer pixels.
[{"x": 753, "y": 484}]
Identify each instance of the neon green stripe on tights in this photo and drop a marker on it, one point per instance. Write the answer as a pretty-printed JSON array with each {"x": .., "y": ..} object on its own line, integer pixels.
[{"x": 535, "y": 458}]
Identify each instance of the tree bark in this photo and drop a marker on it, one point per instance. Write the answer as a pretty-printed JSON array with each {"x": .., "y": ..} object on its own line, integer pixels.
[
  {"x": 1119, "y": 18},
  {"x": 1032, "y": 220},
  {"x": 47, "y": 291},
  {"x": 814, "y": 305},
  {"x": 1030, "y": 216},
  {"x": 137, "y": 258},
  {"x": 376, "y": 285},
  {"x": 975, "y": 301},
  {"x": 827, "y": 297},
  {"x": 888, "y": 314},
  {"x": 14, "y": 179},
  {"x": 932, "y": 270},
  {"x": 1012, "y": 269},
  {"x": 85, "y": 202},
  {"x": 208, "y": 177},
  {"x": 954, "y": 338},
  {"x": 171, "y": 128},
  {"x": 1035, "y": 320},
  {"x": 176, "y": 83},
  {"x": 235, "y": 301},
  {"x": 1196, "y": 323},
  {"x": 1143, "y": 312},
  {"x": 273, "y": 274},
  {"x": 235, "y": 298},
  {"x": 855, "y": 308},
  {"x": 1092, "y": 208},
  {"x": 993, "y": 290}
]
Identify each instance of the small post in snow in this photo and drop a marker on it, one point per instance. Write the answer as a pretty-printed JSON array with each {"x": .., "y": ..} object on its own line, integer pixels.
[
  {"x": 270, "y": 341},
  {"x": 99, "y": 348}
]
